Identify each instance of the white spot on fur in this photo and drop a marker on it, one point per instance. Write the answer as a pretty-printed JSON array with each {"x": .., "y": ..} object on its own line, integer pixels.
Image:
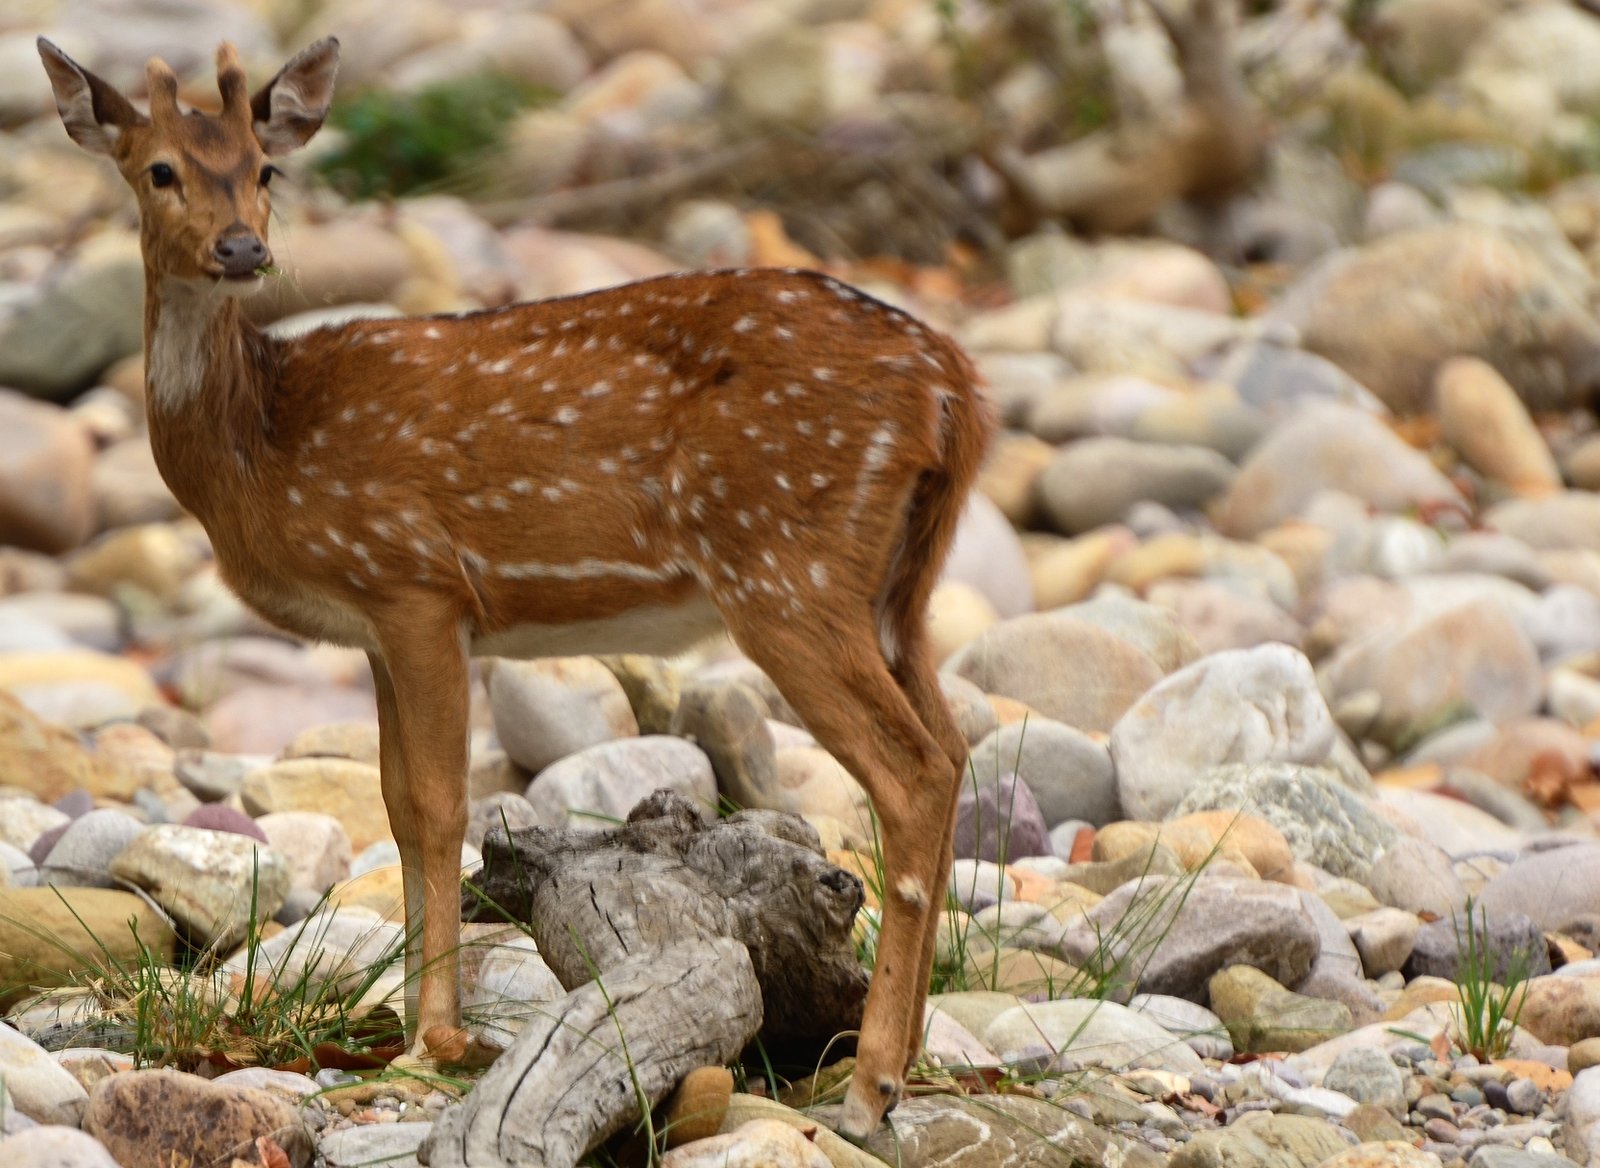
[{"x": 912, "y": 892}]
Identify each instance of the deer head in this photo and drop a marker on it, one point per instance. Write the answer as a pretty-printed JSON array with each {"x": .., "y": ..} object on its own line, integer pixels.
[{"x": 202, "y": 180}]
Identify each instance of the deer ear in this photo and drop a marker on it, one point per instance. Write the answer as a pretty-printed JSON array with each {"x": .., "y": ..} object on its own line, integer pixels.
[
  {"x": 92, "y": 110},
  {"x": 290, "y": 108}
]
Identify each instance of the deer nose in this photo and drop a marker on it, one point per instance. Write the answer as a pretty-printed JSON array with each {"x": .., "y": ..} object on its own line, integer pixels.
[{"x": 239, "y": 255}]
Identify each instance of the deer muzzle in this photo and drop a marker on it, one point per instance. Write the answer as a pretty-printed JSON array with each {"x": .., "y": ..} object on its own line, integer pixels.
[{"x": 240, "y": 255}]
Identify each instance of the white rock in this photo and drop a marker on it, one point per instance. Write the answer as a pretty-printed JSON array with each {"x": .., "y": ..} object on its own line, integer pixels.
[
  {"x": 545, "y": 710},
  {"x": 36, "y": 1084},
  {"x": 316, "y": 847},
  {"x": 208, "y": 880},
  {"x": 598, "y": 786},
  {"x": 513, "y": 983},
  {"x": 1244, "y": 706},
  {"x": 1582, "y": 1110},
  {"x": 337, "y": 945},
  {"x": 55, "y": 1146},
  {"x": 1089, "y": 1031}
]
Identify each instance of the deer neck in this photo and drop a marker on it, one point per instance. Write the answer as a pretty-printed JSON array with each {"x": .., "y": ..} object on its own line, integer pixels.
[{"x": 209, "y": 375}]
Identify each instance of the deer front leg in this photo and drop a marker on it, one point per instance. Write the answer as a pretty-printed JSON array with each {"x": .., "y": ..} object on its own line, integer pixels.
[
  {"x": 422, "y": 707},
  {"x": 403, "y": 824}
]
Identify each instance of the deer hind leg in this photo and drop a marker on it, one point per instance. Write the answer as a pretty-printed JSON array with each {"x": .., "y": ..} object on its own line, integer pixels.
[
  {"x": 425, "y": 667},
  {"x": 915, "y": 673},
  {"x": 839, "y": 682}
]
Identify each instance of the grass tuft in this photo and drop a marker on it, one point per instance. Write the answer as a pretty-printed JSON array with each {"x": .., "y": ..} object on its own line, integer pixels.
[
  {"x": 1491, "y": 997},
  {"x": 302, "y": 1008}
]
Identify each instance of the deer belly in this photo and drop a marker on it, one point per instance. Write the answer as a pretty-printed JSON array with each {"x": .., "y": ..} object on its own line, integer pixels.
[
  {"x": 312, "y": 615},
  {"x": 659, "y": 630}
]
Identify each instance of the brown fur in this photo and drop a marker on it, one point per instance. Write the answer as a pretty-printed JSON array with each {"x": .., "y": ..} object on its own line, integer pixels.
[{"x": 770, "y": 444}]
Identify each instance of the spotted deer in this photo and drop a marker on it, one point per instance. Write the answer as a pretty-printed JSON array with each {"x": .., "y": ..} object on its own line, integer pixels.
[{"x": 767, "y": 452}]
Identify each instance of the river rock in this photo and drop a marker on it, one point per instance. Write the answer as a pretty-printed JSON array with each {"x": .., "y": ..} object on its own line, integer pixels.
[
  {"x": 1095, "y": 481},
  {"x": 1196, "y": 1025},
  {"x": 1148, "y": 626},
  {"x": 1066, "y": 668},
  {"x": 1329, "y": 448},
  {"x": 1383, "y": 937},
  {"x": 1069, "y": 773},
  {"x": 393, "y": 1145},
  {"x": 1242, "y": 707},
  {"x": 767, "y": 1142},
  {"x": 1561, "y": 1010},
  {"x": 55, "y": 1146},
  {"x": 1193, "y": 931},
  {"x": 209, "y": 881},
  {"x": 314, "y": 845},
  {"x": 506, "y": 985},
  {"x": 1264, "y": 1016},
  {"x": 1468, "y": 291},
  {"x": 1262, "y": 1140},
  {"x": 83, "y": 853},
  {"x": 351, "y": 792},
  {"x": 1504, "y": 943},
  {"x": 144, "y": 1118},
  {"x": 1566, "y": 519},
  {"x": 1488, "y": 425},
  {"x": 79, "y": 687},
  {"x": 728, "y": 722},
  {"x": 1223, "y": 616},
  {"x": 1477, "y": 660},
  {"x": 1000, "y": 821},
  {"x": 599, "y": 785},
  {"x": 45, "y": 463},
  {"x": 988, "y": 556},
  {"x": 1090, "y": 1031},
  {"x": 1552, "y": 887},
  {"x": 995, "y": 1131},
  {"x": 545, "y": 710},
  {"x": 78, "y": 323},
  {"x": 45, "y": 933},
  {"x": 1417, "y": 876},
  {"x": 1325, "y": 822},
  {"x": 1368, "y": 1076},
  {"x": 35, "y": 1084}
]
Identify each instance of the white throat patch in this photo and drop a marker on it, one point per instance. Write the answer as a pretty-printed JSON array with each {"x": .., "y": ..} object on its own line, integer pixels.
[{"x": 176, "y": 373}]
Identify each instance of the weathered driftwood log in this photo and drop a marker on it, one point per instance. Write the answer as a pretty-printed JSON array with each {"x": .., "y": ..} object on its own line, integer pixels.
[
  {"x": 594, "y": 898},
  {"x": 1206, "y": 146},
  {"x": 597, "y": 1059}
]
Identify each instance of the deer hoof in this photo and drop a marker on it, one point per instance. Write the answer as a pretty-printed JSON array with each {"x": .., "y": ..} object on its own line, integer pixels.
[
  {"x": 865, "y": 1105},
  {"x": 445, "y": 1045}
]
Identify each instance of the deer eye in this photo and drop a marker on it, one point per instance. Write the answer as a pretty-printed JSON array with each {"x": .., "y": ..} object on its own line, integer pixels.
[
  {"x": 267, "y": 172},
  {"x": 161, "y": 175}
]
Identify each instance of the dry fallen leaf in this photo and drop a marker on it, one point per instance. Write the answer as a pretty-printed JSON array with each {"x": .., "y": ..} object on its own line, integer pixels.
[
  {"x": 1440, "y": 1046},
  {"x": 272, "y": 1155}
]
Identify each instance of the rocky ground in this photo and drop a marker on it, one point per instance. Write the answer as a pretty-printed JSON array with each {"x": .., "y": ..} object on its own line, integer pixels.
[{"x": 1275, "y": 625}]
